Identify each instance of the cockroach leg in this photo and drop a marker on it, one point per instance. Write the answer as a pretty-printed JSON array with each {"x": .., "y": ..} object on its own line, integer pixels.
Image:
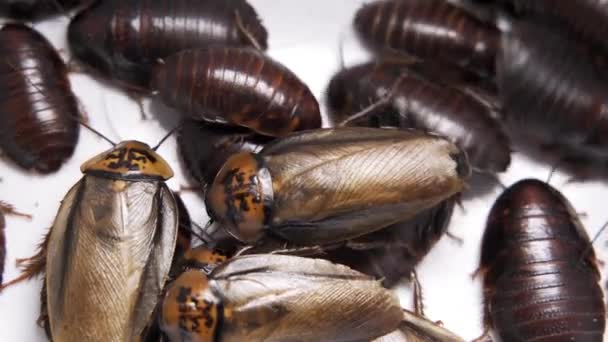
[
  {"x": 417, "y": 293},
  {"x": 31, "y": 267},
  {"x": 301, "y": 251},
  {"x": 250, "y": 37},
  {"x": 457, "y": 239},
  {"x": 137, "y": 98},
  {"x": 9, "y": 209},
  {"x": 485, "y": 336}
]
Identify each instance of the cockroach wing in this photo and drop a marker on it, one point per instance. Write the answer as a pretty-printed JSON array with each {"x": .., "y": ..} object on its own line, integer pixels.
[
  {"x": 287, "y": 298},
  {"x": 109, "y": 254},
  {"x": 337, "y": 184}
]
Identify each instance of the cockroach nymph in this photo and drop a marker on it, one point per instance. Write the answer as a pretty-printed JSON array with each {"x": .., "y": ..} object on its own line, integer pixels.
[
  {"x": 237, "y": 86},
  {"x": 429, "y": 29},
  {"x": 105, "y": 38},
  {"x": 109, "y": 252},
  {"x": 205, "y": 147},
  {"x": 39, "y": 114},
  {"x": 331, "y": 185},
  {"x": 271, "y": 297},
  {"x": 540, "y": 273},
  {"x": 553, "y": 94},
  {"x": 416, "y": 101}
]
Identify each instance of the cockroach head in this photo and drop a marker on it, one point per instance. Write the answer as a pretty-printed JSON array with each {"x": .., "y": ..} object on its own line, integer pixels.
[
  {"x": 191, "y": 309},
  {"x": 240, "y": 197},
  {"x": 129, "y": 160}
]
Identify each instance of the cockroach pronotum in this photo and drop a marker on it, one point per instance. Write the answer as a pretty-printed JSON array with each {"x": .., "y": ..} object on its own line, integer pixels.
[
  {"x": 110, "y": 249},
  {"x": 429, "y": 29},
  {"x": 393, "y": 252},
  {"x": 36, "y": 9},
  {"x": 330, "y": 185},
  {"x": 239, "y": 86},
  {"x": 540, "y": 273},
  {"x": 39, "y": 114},
  {"x": 124, "y": 39},
  {"x": 553, "y": 94},
  {"x": 270, "y": 297},
  {"x": 416, "y": 101},
  {"x": 205, "y": 147}
]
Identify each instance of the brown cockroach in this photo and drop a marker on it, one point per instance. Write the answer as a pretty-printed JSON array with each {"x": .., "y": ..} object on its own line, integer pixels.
[
  {"x": 271, "y": 297},
  {"x": 238, "y": 86},
  {"x": 540, "y": 273},
  {"x": 108, "y": 254},
  {"x": 552, "y": 92},
  {"x": 205, "y": 147},
  {"x": 36, "y": 9},
  {"x": 393, "y": 252},
  {"x": 417, "y": 101},
  {"x": 106, "y": 38},
  {"x": 330, "y": 185},
  {"x": 589, "y": 18},
  {"x": 39, "y": 114},
  {"x": 429, "y": 29}
]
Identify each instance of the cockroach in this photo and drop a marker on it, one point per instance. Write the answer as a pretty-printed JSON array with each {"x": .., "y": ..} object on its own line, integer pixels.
[
  {"x": 270, "y": 297},
  {"x": 540, "y": 273},
  {"x": 552, "y": 92},
  {"x": 330, "y": 185},
  {"x": 393, "y": 252},
  {"x": 588, "y": 18},
  {"x": 429, "y": 29},
  {"x": 36, "y": 9},
  {"x": 124, "y": 39},
  {"x": 109, "y": 251},
  {"x": 238, "y": 86},
  {"x": 39, "y": 113},
  {"x": 205, "y": 147},
  {"x": 416, "y": 101}
]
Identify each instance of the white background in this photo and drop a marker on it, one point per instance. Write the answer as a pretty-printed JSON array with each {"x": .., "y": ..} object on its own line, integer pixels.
[{"x": 304, "y": 35}]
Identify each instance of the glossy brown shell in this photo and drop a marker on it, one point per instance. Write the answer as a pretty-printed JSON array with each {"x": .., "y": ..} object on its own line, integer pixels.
[
  {"x": 104, "y": 38},
  {"x": 205, "y": 147},
  {"x": 38, "y": 111},
  {"x": 539, "y": 270},
  {"x": 553, "y": 93},
  {"x": 36, "y": 9},
  {"x": 429, "y": 29},
  {"x": 422, "y": 103},
  {"x": 242, "y": 87}
]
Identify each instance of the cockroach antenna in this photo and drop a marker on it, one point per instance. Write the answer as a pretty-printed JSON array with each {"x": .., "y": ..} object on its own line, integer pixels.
[
  {"x": 167, "y": 136},
  {"x": 96, "y": 132}
]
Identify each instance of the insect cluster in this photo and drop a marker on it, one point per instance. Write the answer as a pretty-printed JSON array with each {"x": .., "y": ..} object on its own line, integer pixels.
[{"x": 311, "y": 229}]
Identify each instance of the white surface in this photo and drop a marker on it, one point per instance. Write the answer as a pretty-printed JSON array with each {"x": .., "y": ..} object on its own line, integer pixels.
[{"x": 304, "y": 35}]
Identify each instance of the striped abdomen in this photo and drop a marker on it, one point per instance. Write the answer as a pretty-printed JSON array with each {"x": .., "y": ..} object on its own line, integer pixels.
[
  {"x": 421, "y": 103},
  {"x": 38, "y": 111},
  {"x": 123, "y": 37},
  {"x": 238, "y": 86},
  {"x": 540, "y": 272},
  {"x": 429, "y": 29}
]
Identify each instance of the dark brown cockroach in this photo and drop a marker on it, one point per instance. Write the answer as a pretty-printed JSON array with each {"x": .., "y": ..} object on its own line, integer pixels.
[
  {"x": 539, "y": 269},
  {"x": 589, "y": 18},
  {"x": 238, "y": 86},
  {"x": 429, "y": 29},
  {"x": 39, "y": 114},
  {"x": 124, "y": 39},
  {"x": 108, "y": 254},
  {"x": 270, "y": 297},
  {"x": 553, "y": 94},
  {"x": 393, "y": 252},
  {"x": 205, "y": 147},
  {"x": 416, "y": 101},
  {"x": 330, "y": 185},
  {"x": 36, "y": 9}
]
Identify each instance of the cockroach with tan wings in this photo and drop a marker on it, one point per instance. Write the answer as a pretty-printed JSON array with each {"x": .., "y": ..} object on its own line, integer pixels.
[
  {"x": 324, "y": 186},
  {"x": 110, "y": 249},
  {"x": 271, "y": 297}
]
